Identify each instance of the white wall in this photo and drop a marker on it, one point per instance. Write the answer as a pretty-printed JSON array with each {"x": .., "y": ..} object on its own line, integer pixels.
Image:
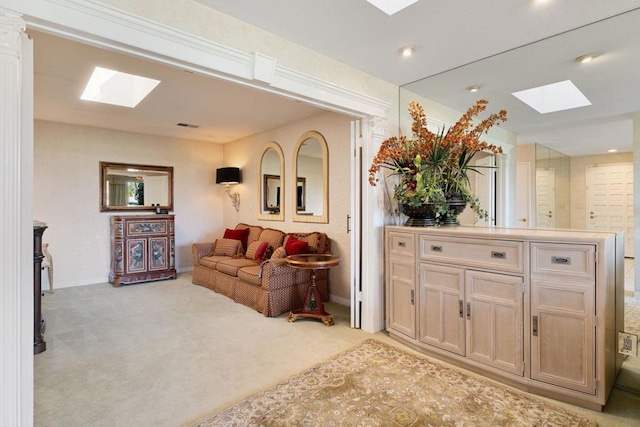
[{"x": 66, "y": 193}]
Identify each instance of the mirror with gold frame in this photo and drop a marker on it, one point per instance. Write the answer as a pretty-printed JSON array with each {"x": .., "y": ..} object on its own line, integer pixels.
[
  {"x": 311, "y": 169},
  {"x": 135, "y": 187},
  {"x": 271, "y": 183}
]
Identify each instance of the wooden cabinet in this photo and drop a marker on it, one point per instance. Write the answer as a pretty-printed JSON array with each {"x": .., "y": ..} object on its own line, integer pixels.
[
  {"x": 441, "y": 307},
  {"x": 495, "y": 320},
  {"x": 142, "y": 248},
  {"x": 563, "y": 310},
  {"x": 402, "y": 281},
  {"x": 536, "y": 308}
]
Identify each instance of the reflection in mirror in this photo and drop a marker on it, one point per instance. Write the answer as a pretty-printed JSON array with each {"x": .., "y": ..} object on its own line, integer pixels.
[
  {"x": 583, "y": 134},
  {"x": 311, "y": 169},
  {"x": 301, "y": 195},
  {"x": 271, "y": 183},
  {"x": 552, "y": 188},
  {"x": 126, "y": 187}
]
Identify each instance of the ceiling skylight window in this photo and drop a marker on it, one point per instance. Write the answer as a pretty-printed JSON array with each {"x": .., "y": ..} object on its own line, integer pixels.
[
  {"x": 116, "y": 88},
  {"x": 553, "y": 97},
  {"x": 391, "y": 6}
]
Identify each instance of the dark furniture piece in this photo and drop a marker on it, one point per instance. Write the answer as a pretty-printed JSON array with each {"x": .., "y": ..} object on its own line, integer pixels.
[
  {"x": 313, "y": 306},
  {"x": 39, "y": 324},
  {"x": 142, "y": 249}
]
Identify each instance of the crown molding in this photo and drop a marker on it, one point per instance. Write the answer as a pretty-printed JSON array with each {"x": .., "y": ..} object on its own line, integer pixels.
[{"x": 95, "y": 23}]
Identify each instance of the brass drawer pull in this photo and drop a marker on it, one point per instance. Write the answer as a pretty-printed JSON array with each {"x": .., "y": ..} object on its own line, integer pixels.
[
  {"x": 436, "y": 248},
  {"x": 560, "y": 260},
  {"x": 499, "y": 255},
  {"x": 402, "y": 244}
]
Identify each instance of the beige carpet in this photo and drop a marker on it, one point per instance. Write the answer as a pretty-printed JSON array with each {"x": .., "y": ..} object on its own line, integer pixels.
[
  {"x": 375, "y": 384},
  {"x": 632, "y": 315}
]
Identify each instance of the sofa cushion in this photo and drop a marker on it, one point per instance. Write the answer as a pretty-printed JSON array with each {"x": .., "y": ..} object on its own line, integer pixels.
[
  {"x": 256, "y": 250},
  {"x": 250, "y": 275},
  {"x": 272, "y": 236},
  {"x": 212, "y": 260},
  {"x": 293, "y": 246},
  {"x": 228, "y": 247},
  {"x": 254, "y": 232},
  {"x": 231, "y": 266},
  {"x": 241, "y": 234},
  {"x": 279, "y": 253},
  {"x": 318, "y": 242}
]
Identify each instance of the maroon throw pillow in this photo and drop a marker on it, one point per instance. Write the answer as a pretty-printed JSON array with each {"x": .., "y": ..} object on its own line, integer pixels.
[
  {"x": 261, "y": 251},
  {"x": 295, "y": 246},
  {"x": 240, "y": 234}
]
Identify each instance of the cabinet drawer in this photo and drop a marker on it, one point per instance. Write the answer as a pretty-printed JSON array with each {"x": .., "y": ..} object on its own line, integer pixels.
[
  {"x": 401, "y": 244},
  {"x": 577, "y": 261},
  {"x": 500, "y": 255}
]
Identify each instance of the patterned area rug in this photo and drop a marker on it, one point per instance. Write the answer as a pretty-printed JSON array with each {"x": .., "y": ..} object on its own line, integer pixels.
[{"x": 375, "y": 384}]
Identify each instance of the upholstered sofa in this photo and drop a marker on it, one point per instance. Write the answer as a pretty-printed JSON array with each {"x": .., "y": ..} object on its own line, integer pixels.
[{"x": 254, "y": 273}]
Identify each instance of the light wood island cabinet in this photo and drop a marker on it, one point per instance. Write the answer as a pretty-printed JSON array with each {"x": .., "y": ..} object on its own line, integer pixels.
[{"x": 533, "y": 308}]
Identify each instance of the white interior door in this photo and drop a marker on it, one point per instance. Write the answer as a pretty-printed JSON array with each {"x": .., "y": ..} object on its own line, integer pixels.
[
  {"x": 354, "y": 224},
  {"x": 610, "y": 200},
  {"x": 485, "y": 188},
  {"x": 523, "y": 195},
  {"x": 545, "y": 198}
]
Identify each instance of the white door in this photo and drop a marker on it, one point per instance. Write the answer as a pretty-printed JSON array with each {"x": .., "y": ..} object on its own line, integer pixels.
[
  {"x": 523, "y": 195},
  {"x": 485, "y": 188},
  {"x": 354, "y": 222},
  {"x": 545, "y": 198},
  {"x": 610, "y": 200}
]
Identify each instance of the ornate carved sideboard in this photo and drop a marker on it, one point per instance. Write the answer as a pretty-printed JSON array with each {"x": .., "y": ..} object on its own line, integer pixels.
[
  {"x": 142, "y": 249},
  {"x": 536, "y": 309}
]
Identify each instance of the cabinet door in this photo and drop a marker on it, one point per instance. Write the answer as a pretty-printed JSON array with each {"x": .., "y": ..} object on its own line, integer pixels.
[
  {"x": 563, "y": 334},
  {"x": 495, "y": 320},
  {"x": 401, "y": 298},
  {"x": 401, "y": 283},
  {"x": 441, "y": 306}
]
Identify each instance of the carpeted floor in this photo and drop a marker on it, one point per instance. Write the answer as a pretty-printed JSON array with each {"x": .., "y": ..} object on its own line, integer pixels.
[
  {"x": 375, "y": 384},
  {"x": 171, "y": 353}
]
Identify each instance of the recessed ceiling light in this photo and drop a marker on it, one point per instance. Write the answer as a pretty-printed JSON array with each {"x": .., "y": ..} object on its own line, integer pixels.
[
  {"x": 406, "y": 51},
  {"x": 553, "y": 97},
  {"x": 612, "y": 150},
  {"x": 473, "y": 88},
  {"x": 391, "y": 6},
  {"x": 116, "y": 88},
  {"x": 586, "y": 58}
]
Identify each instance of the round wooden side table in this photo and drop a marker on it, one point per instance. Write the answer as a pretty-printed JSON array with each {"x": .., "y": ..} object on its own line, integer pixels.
[{"x": 313, "y": 306}]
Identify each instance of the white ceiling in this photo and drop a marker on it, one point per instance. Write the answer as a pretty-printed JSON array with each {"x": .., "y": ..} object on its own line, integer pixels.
[
  {"x": 224, "y": 111},
  {"x": 500, "y": 45}
]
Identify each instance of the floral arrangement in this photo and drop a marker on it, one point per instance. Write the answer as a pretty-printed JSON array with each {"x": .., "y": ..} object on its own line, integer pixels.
[{"x": 434, "y": 167}]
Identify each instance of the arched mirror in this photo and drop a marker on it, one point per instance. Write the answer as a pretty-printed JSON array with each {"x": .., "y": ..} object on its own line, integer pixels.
[
  {"x": 311, "y": 169},
  {"x": 271, "y": 183}
]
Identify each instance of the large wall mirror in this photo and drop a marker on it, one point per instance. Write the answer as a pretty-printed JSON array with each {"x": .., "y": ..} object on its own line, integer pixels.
[
  {"x": 271, "y": 183},
  {"x": 311, "y": 169},
  {"x": 133, "y": 187}
]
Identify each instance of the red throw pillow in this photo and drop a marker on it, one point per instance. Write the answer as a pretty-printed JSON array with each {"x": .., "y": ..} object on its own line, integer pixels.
[
  {"x": 295, "y": 246},
  {"x": 240, "y": 234}
]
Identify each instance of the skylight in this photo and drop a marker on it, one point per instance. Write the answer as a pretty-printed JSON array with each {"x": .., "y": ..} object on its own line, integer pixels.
[
  {"x": 553, "y": 97},
  {"x": 116, "y": 88},
  {"x": 391, "y": 6}
]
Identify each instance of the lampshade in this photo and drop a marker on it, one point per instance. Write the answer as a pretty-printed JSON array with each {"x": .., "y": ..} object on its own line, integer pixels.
[{"x": 228, "y": 176}]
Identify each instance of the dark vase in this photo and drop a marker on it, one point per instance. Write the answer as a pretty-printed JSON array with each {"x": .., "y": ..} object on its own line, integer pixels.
[
  {"x": 419, "y": 216},
  {"x": 456, "y": 204}
]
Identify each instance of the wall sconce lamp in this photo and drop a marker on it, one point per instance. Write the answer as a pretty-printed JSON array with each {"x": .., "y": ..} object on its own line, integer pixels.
[{"x": 228, "y": 176}]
